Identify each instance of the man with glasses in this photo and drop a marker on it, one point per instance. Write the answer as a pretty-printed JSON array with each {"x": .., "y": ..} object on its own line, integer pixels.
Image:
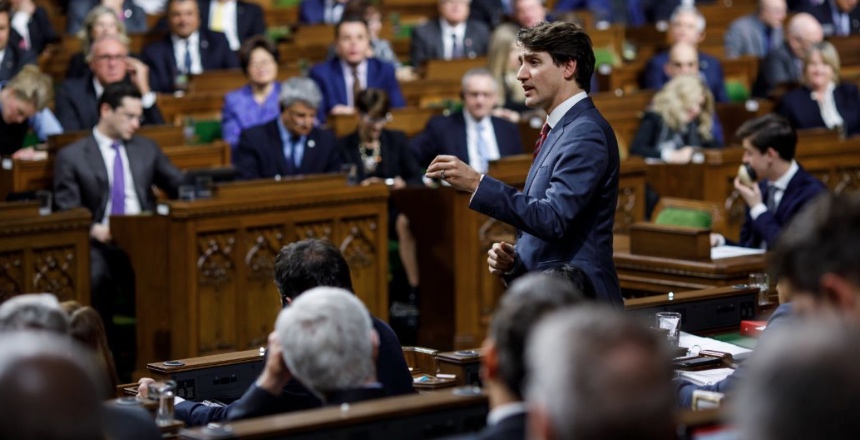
[
  {"x": 472, "y": 134},
  {"x": 78, "y": 98},
  {"x": 289, "y": 145}
]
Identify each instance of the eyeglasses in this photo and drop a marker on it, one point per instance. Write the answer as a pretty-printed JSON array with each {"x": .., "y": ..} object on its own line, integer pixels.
[
  {"x": 111, "y": 57},
  {"x": 131, "y": 116},
  {"x": 370, "y": 120}
]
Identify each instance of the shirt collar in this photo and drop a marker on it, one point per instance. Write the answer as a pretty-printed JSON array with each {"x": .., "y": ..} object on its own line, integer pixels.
[
  {"x": 782, "y": 182},
  {"x": 447, "y": 29},
  {"x": 192, "y": 39},
  {"x": 471, "y": 121},
  {"x": 347, "y": 69},
  {"x": 102, "y": 140},
  {"x": 502, "y": 412},
  {"x": 98, "y": 87},
  {"x": 555, "y": 117}
]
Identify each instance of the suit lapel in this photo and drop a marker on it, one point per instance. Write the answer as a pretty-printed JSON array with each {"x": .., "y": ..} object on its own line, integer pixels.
[
  {"x": 204, "y": 50},
  {"x": 241, "y": 23},
  {"x": 340, "y": 81},
  {"x": 137, "y": 166},
  {"x": 96, "y": 162},
  {"x": 90, "y": 106},
  {"x": 277, "y": 149},
  {"x": 554, "y": 135}
]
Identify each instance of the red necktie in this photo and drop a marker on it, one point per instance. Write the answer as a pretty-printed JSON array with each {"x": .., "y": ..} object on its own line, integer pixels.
[{"x": 543, "y": 132}]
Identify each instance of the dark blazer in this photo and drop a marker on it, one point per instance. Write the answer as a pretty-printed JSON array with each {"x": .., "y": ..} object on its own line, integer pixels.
[
  {"x": 260, "y": 153},
  {"x": 823, "y": 12},
  {"x": 14, "y": 59},
  {"x": 447, "y": 135},
  {"x": 653, "y": 132},
  {"x": 803, "y": 112},
  {"x": 427, "y": 41},
  {"x": 249, "y": 18},
  {"x": 312, "y": 11},
  {"x": 134, "y": 21},
  {"x": 391, "y": 370},
  {"x": 396, "y": 157},
  {"x": 512, "y": 427},
  {"x": 329, "y": 78},
  {"x": 655, "y": 76},
  {"x": 802, "y": 188},
  {"x": 41, "y": 32},
  {"x": 81, "y": 179},
  {"x": 215, "y": 54},
  {"x": 566, "y": 212},
  {"x": 779, "y": 66},
  {"x": 78, "y": 108},
  {"x": 490, "y": 12}
]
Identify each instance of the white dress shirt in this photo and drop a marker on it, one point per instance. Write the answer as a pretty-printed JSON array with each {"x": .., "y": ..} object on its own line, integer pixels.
[
  {"x": 20, "y": 20},
  {"x": 179, "y": 45},
  {"x": 555, "y": 117},
  {"x": 778, "y": 185},
  {"x": 228, "y": 21},
  {"x": 132, "y": 203},
  {"x": 829, "y": 112},
  {"x": 489, "y": 137},
  {"x": 447, "y": 31},
  {"x": 347, "y": 76}
]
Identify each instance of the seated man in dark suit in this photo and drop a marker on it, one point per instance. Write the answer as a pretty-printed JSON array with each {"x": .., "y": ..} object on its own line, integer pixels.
[
  {"x": 12, "y": 56},
  {"x": 112, "y": 172},
  {"x": 289, "y": 145},
  {"x": 34, "y": 31},
  {"x": 687, "y": 25},
  {"x": 472, "y": 134},
  {"x": 301, "y": 266},
  {"x": 452, "y": 36},
  {"x": 837, "y": 17},
  {"x": 326, "y": 341},
  {"x": 785, "y": 63},
  {"x": 341, "y": 78},
  {"x": 77, "y": 101},
  {"x": 783, "y": 188},
  {"x": 238, "y": 20},
  {"x": 187, "y": 50}
]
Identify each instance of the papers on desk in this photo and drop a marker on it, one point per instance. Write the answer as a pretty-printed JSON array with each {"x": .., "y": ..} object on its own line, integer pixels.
[
  {"x": 687, "y": 340},
  {"x": 732, "y": 251},
  {"x": 706, "y": 377}
]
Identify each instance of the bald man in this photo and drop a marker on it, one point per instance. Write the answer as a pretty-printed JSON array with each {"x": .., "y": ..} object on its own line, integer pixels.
[{"x": 784, "y": 64}]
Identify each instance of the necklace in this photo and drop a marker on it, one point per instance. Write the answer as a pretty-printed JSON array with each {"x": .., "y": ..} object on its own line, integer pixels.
[{"x": 370, "y": 156}]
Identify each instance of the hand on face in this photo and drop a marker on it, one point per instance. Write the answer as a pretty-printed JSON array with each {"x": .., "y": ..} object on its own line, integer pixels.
[{"x": 751, "y": 195}]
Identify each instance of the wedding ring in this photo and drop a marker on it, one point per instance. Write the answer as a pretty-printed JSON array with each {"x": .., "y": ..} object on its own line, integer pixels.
[{"x": 443, "y": 174}]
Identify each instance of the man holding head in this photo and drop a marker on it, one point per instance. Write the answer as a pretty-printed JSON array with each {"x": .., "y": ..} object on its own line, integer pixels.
[
  {"x": 783, "y": 186},
  {"x": 450, "y": 37},
  {"x": 341, "y": 78},
  {"x": 473, "y": 134},
  {"x": 112, "y": 172},
  {"x": 566, "y": 212},
  {"x": 289, "y": 145},
  {"x": 77, "y": 101},
  {"x": 188, "y": 49},
  {"x": 756, "y": 34},
  {"x": 785, "y": 63},
  {"x": 596, "y": 374},
  {"x": 686, "y": 25}
]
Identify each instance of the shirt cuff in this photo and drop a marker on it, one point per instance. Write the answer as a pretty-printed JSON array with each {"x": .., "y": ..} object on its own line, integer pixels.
[
  {"x": 757, "y": 210},
  {"x": 666, "y": 154},
  {"x": 148, "y": 100},
  {"x": 481, "y": 179}
]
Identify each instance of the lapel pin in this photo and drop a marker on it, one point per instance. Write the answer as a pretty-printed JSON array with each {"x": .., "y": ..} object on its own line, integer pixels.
[
  {"x": 311, "y": 143},
  {"x": 204, "y": 44}
]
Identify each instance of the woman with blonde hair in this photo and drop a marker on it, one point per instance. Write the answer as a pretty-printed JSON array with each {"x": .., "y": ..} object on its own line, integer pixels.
[
  {"x": 822, "y": 101},
  {"x": 99, "y": 22},
  {"x": 679, "y": 121},
  {"x": 503, "y": 61}
]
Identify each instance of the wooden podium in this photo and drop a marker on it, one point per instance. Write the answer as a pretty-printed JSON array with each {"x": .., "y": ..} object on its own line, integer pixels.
[
  {"x": 204, "y": 268},
  {"x": 44, "y": 253}
]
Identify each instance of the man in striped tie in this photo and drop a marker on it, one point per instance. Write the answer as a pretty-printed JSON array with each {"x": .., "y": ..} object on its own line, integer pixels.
[
  {"x": 111, "y": 172},
  {"x": 566, "y": 212}
]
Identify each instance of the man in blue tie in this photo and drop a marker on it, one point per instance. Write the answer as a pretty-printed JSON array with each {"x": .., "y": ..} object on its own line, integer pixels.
[{"x": 111, "y": 173}]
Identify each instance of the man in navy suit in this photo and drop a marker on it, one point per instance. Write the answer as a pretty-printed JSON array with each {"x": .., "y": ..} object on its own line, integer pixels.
[
  {"x": 236, "y": 19},
  {"x": 837, "y": 17},
  {"x": 452, "y": 36},
  {"x": 784, "y": 187},
  {"x": 341, "y": 78},
  {"x": 289, "y": 145},
  {"x": 77, "y": 100},
  {"x": 687, "y": 25},
  {"x": 566, "y": 212},
  {"x": 472, "y": 134},
  {"x": 187, "y": 50},
  {"x": 12, "y": 56}
]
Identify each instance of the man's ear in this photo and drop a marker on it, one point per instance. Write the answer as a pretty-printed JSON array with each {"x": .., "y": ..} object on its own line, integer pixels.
[
  {"x": 839, "y": 293},
  {"x": 569, "y": 69},
  {"x": 105, "y": 107},
  {"x": 489, "y": 360}
]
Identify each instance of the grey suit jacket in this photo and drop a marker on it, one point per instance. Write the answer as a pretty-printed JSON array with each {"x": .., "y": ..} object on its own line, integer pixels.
[
  {"x": 427, "y": 41},
  {"x": 81, "y": 179},
  {"x": 745, "y": 36},
  {"x": 778, "y": 67}
]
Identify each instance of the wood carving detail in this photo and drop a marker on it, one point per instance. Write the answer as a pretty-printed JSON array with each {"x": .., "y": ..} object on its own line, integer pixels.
[
  {"x": 849, "y": 180},
  {"x": 320, "y": 229},
  {"x": 11, "y": 275},
  {"x": 625, "y": 214},
  {"x": 53, "y": 272},
  {"x": 215, "y": 265},
  {"x": 358, "y": 246},
  {"x": 263, "y": 246}
]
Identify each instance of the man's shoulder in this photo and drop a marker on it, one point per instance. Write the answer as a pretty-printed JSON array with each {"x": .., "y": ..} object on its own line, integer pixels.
[
  {"x": 808, "y": 182},
  {"x": 261, "y": 130},
  {"x": 73, "y": 151},
  {"x": 75, "y": 86},
  {"x": 324, "y": 68},
  {"x": 744, "y": 22},
  {"x": 503, "y": 124}
]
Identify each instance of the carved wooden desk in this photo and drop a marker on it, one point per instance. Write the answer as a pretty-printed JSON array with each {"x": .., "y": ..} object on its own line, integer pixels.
[
  {"x": 48, "y": 253},
  {"x": 204, "y": 268}
]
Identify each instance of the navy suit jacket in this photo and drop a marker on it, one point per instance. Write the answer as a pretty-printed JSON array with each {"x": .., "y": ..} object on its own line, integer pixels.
[
  {"x": 249, "y": 18},
  {"x": 78, "y": 108},
  {"x": 215, "y": 54},
  {"x": 42, "y": 33},
  {"x": 14, "y": 59},
  {"x": 427, "y": 41},
  {"x": 391, "y": 370},
  {"x": 260, "y": 153},
  {"x": 824, "y": 14},
  {"x": 655, "y": 76},
  {"x": 312, "y": 11},
  {"x": 329, "y": 78},
  {"x": 566, "y": 212},
  {"x": 81, "y": 179},
  {"x": 803, "y": 112},
  {"x": 447, "y": 135},
  {"x": 802, "y": 188}
]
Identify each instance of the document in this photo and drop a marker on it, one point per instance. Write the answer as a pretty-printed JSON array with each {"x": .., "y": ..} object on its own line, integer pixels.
[
  {"x": 733, "y": 251},
  {"x": 706, "y": 377}
]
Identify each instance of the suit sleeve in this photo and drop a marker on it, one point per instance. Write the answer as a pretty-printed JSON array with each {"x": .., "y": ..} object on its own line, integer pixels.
[
  {"x": 157, "y": 79},
  {"x": 246, "y": 158},
  {"x": 325, "y": 105},
  {"x": 335, "y": 159},
  {"x": 652, "y": 78},
  {"x": 423, "y": 145},
  {"x": 392, "y": 86},
  {"x": 719, "y": 83},
  {"x": 418, "y": 50},
  {"x": 645, "y": 142},
  {"x": 733, "y": 40},
  {"x": 167, "y": 176},
  {"x": 408, "y": 168},
  {"x": 67, "y": 193},
  {"x": 573, "y": 180},
  {"x": 66, "y": 113}
]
